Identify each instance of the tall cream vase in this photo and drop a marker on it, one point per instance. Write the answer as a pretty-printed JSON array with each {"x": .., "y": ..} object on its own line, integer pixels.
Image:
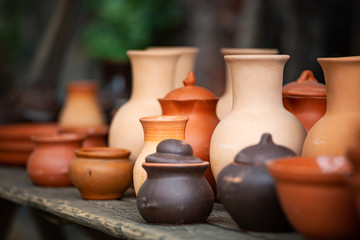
[
  {"x": 152, "y": 78},
  {"x": 225, "y": 102},
  {"x": 257, "y": 109}
]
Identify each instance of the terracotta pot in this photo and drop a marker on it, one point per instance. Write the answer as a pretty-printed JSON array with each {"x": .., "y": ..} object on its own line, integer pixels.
[
  {"x": 156, "y": 129},
  {"x": 199, "y": 104},
  {"x": 334, "y": 133},
  {"x": 314, "y": 196},
  {"x": 48, "y": 165},
  {"x": 81, "y": 106},
  {"x": 224, "y": 105},
  {"x": 306, "y": 99},
  {"x": 185, "y": 64},
  {"x": 15, "y": 143},
  {"x": 101, "y": 173},
  {"x": 257, "y": 109},
  {"x": 153, "y": 73},
  {"x": 95, "y": 136},
  {"x": 354, "y": 184},
  {"x": 176, "y": 191}
]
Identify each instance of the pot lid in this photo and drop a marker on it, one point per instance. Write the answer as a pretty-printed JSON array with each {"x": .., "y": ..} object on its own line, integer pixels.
[
  {"x": 265, "y": 150},
  {"x": 305, "y": 85},
  {"x": 189, "y": 91},
  {"x": 173, "y": 151}
]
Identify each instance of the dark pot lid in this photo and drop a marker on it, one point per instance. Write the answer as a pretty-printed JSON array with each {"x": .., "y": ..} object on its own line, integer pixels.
[
  {"x": 265, "y": 150},
  {"x": 305, "y": 85},
  {"x": 173, "y": 151}
]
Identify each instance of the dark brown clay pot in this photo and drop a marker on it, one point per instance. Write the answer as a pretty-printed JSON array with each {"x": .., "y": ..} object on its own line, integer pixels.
[
  {"x": 101, "y": 173},
  {"x": 48, "y": 165},
  {"x": 175, "y": 191},
  {"x": 95, "y": 135},
  {"x": 248, "y": 191}
]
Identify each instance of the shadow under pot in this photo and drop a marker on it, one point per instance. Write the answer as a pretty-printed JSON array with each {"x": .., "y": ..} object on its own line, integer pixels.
[{"x": 176, "y": 190}]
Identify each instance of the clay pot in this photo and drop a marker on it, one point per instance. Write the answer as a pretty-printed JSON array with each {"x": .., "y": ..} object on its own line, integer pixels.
[
  {"x": 199, "y": 104},
  {"x": 252, "y": 201},
  {"x": 176, "y": 191},
  {"x": 224, "y": 105},
  {"x": 354, "y": 184},
  {"x": 334, "y": 133},
  {"x": 15, "y": 141},
  {"x": 101, "y": 173},
  {"x": 257, "y": 109},
  {"x": 95, "y": 136},
  {"x": 153, "y": 74},
  {"x": 81, "y": 106},
  {"x": 156, "y": 129},
  {"x": 48, "y": 165},
  {"x": 306, "y": 99},
  {"x": 185, "y": 64},
  {"x": 314, "y": 196}
]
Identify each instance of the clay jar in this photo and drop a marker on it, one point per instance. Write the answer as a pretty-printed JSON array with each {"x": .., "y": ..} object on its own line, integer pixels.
[
  {"x": 248, "y": 191},
  {"x": 48, "y": 165},
  {"x": 314, "y": 196},
  {"x": 95, "y": 135},
  {"x": 334, "y": 133},
  {"x": 101, "y": 173},
  {"x": 353, "y": 154},
  {"x": 176, "y": 191},
  {"x": 156, "y": 129},
  {"x": 306, "y": 99},
  {"x": 199, "y": 104},
  {"x": 81, "y": 106}
]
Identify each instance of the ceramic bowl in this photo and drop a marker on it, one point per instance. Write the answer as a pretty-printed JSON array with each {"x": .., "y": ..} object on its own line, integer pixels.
[
  {"x": 101, "y": 173},
  {"x": 95, "y": 135},
  {"x": 314, "y": 196},
  {"x": 15, "y": 141}
]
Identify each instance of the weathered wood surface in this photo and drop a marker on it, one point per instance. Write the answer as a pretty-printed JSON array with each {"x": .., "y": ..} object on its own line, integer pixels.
[{"x": 119, "y": 218}]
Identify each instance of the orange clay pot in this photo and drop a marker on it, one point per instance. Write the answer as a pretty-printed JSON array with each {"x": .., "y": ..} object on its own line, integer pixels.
[
  {"x": 95, "y": 136},
  {"x": 48, "y": 165},
  {"x": 101, "y": 173}
]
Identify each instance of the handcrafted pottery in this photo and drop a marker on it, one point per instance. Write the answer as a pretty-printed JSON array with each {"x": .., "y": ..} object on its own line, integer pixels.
[
  {"x": 48, "y": 164},
  {"x": 314, "y": 196},
  {"x": 306, "y": 99},
  {"x": 334, "y": 133},
  {"x": 95, "y": 136},
  {"x": 354, "y": 184},
  {"x": 176, "y": 191},
  {"x": 353, "y": 155},
  {"x": 199, "y": 104},
  {"x": 101, "y": 173},
  {"x": 185, "y": 64},
  {"x": 224, "y": 105},
  {"x": 153, "y": 73},
  {"x": 81, "y": 106},
  {"x": 258, "y": 108},
  {"x": 15, "y": 143},
  {"x": 156, "y": 129},
  {"x": 248, "y": 191}
]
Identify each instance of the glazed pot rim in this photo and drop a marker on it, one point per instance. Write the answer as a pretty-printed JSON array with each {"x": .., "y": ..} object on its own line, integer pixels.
[
  {"x": 248, "y": 51},
  {"x": 99, "y": 130},
  {"x": 24, "y": 131},
  {"x": 163, "y": 118},
  {"x": 181, "y": 49},
  {"x": 102, "y": 152},
  {"x": 339, "y": 59},
  {"x": 151, "y": 53},
  {"x": 175, "y": 165},
  {"x": 58, "y": 137},
  {"x": 257, "y": 57}
]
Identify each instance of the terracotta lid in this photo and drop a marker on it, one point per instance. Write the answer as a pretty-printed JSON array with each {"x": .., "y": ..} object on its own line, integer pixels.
[
  {"x": 189, "y": 91},
  {"x": 305, "y": 85},
  {"x": 173, "y": 151}
]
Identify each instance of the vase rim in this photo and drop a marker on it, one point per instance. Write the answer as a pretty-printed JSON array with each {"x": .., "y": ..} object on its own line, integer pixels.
[
  {"x": 181, "y": 49},
  {"x": 102, "y": 152},
  {"x": 175, "y": 165},
  {"x": 339, "y": 59},
  {"x": 257, "y": 57},
  {"x": 257, "y": 51},
  {"x": 152, "y": 53},
  {"x": 167, "y": 118}
]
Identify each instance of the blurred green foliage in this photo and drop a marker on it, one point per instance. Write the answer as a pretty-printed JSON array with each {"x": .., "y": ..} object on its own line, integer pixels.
[{"x": 119, "y": 25}]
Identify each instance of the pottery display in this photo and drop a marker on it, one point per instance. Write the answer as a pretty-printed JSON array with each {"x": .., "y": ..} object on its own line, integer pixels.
[
  {"x": 81, "y": 106},
  {"x": 96, "y": 136},
  {"x": 252, "y": 202},
  {"x": 185, "y": 64},
  {"x": 152, "y": 78},
  {"x": 199, "y": 104},
  {"x": 176, "y": 191},
  {"x": 101, "y": 173},
  {"x": 314, "y": 196},
  {"x": 353, "y": 155},
  {"x": 156, "y": 129},
  {"x": 257, "y": 109},
  {"x": 334, "y": 133},
  {"x": 48, "y": 164},
  {"x": 306, "y": 99},
  {"x": 225, "y": 102},
  {"x": 15, "y": 141}
]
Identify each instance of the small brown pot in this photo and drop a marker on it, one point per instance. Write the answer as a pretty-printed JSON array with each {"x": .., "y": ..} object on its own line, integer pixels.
[
  {"x": 95, "y": 135},
  {"x": 101, "y": 173},
  {"x": 48, "y": 165}
]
